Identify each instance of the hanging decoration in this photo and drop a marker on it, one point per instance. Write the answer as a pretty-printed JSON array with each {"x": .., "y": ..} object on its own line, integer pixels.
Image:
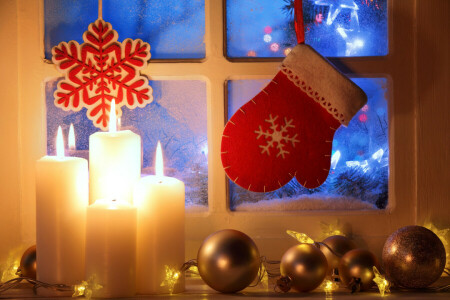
[
  {"x": 413, "y": 257},
  {"x": 228, "y": 261},
  {"x": 287, "y": 129},
  {"x": 100, "y": 70}
]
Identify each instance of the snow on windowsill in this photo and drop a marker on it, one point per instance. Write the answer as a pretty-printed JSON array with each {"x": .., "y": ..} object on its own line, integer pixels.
[
  {"x": 307, "y": 202},
  {"x": 196, "y": 208}
]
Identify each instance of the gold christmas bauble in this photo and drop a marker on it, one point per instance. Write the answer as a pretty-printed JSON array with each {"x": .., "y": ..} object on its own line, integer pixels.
[
  {"x": 413, "y": 257},
  {"x": 356, "y": 267},
  {"x": 27, "y": 266},
  {"x": 228, "y": 261},
  {"x": 339, "y": 245},
  {"x": 305, "y": 265}
]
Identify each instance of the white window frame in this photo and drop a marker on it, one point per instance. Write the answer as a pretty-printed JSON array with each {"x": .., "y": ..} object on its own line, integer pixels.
[{"x": 369, "y": 228}]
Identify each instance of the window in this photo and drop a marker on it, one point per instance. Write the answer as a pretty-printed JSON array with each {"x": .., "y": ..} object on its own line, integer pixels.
[
  {"x": 177, "y": 115},
  {"x": 174, "y": 29},
  {"x": 267, "y": 228},
  {"x": 359, "y": 163},
  {"x": 258, "y": 28}
]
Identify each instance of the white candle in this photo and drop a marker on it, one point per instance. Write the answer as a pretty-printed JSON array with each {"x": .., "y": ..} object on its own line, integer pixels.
[
  {"x": 111, "y": 247},
  {"x": 114, "y": 162},
  {"x": 61, "y": 201},
  {"x": 160, "y": 236}
]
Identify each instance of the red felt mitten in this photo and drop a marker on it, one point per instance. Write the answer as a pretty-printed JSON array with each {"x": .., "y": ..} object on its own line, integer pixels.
[{"x": 287, "y": 129}]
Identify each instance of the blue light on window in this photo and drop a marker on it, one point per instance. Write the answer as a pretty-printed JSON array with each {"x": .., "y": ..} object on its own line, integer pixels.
[
  {"x": 176, "y": 117},
  {"x": 360, "y": 157},
  {"x": 265, "y": 28},
  {"x": 174, "y": 29}
]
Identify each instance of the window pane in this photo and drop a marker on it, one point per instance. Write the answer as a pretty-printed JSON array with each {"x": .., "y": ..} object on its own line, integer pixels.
[
  {"x": 265, "y": 28},
  {"x": 359, "y": 169},
  {"x": 174, "y": 29},
  {"x": 182, "y": 131}
]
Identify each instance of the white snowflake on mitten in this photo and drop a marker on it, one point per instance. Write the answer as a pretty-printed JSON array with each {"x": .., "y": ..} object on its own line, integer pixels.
[{"x": 274, "y": 136}]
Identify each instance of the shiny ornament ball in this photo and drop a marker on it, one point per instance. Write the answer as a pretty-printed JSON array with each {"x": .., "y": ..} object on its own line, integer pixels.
[
  {"x": 305, "y": 265},
  {"x": 357, "y": 264},
  {"x": 339, "y": 245},
  {"x": 27, "y": 266},
  {"x": 413, "y": 257},
  {"x": 228, "y": 261}
]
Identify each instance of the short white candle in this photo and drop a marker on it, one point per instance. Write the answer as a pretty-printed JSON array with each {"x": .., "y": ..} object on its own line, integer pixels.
[
  {"x": 61, "y": 200},
  {"x": 111, "y": 247},
  {"x": 114, "y": 162},
  {"x": 160, "y": 235}
]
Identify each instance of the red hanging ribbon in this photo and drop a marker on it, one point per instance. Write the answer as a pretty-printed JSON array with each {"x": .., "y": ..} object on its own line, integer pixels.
[{"x": 298, "y": 16}]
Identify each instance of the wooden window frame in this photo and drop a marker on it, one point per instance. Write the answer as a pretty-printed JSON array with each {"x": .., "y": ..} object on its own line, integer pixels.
[{"x": 369, "y": 228}]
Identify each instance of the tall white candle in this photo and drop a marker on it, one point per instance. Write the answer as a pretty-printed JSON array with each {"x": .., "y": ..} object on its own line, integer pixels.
[
  {"x": 160, "y": 235},
  {"x": 114, "y": 162},
  {"x": 111, "y": 247},
  {"x": 61, "y": 201}
]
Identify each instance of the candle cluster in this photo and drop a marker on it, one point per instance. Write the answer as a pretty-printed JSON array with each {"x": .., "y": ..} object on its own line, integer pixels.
[{"x": 132, "y": 229}]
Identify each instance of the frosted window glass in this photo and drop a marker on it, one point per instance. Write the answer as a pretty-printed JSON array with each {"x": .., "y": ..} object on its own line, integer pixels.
[
  {"x": 265, "y": 28},
  {"x": 176, "y": 117},
  {"x": 174, "y": 29},
  {"x": 360, "y": 159}
]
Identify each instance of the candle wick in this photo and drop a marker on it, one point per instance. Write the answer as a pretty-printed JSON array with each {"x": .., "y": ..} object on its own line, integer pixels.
[
  {"x": 160, "y": 181},
  {"x": 114, "y": 200}
]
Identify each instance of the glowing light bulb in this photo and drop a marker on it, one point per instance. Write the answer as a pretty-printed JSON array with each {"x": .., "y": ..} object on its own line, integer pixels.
[
  {"x": 267, "y": 38},
  {"x": 329, "y": 287},
  {"x": 59, "y": 143},
  {"x": 358, "y": 43},
  {"x": 274, "y": 47},
  {"x": 287, "y": 51},
  {"x": 112, "y": 117},
  {"x": 352, "y": 163},
  {"x": 159, "y": 166},
  {"x": 365, "y": 166},
  {"x": 335, "y": 159},
  {"x": 381, "y": 282},
  {"x": 72, "y": 145},
  {"x": 301, "y": 237},
  {"x": 205, "y": 149},
  {"x": 378, "y": 155},
  {"x": 362, "y": 118},
  {"x": 171, "y": 278}
]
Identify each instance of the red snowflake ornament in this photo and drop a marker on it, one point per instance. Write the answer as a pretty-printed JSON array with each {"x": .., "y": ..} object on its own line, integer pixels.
[{"x": 100, "y": 70}]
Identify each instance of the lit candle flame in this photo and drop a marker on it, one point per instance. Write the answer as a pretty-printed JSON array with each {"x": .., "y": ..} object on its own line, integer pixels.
[
  {"x": 59, "y": 143},
  {"x": 112, "y": 117},
  {"x": 72, "y": 145},
  {"x": 159, "y": 167}
]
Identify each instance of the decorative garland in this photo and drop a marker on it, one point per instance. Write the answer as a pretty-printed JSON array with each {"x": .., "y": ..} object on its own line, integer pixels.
[{"x": 315, "y": 257}]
